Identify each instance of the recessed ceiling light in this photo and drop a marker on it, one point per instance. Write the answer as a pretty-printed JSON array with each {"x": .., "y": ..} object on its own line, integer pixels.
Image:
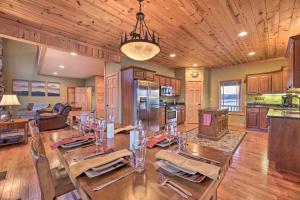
[
  {"x": 172, "y": 55},
  {"x": 73, "y": 54},
  {"x": 195, "y": 65},
  {"x": 54, "y": 73},
  {"x": 61, "y": 66},
  {"x": 252, "y": 53},
  {"x": 243, "y": 33}
]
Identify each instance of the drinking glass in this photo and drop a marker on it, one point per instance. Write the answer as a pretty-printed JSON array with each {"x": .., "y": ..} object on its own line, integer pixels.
[
  {"x": 139, "y": 149},
  {"x": 181, "y": 141},
  {"x": 168, "y": 134},
  {"x": 99, "y": 131}
]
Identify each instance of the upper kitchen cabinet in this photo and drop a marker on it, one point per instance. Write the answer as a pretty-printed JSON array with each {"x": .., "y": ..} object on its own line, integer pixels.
[
  {"x": 259, "y": 84},
  {"x": 293, "y": 55},
  {"x": 169, "y": 81},
  {"x": 177, "y": 87},
  {"x": 142, "y": 74},
  {"x": 277, "y": 82}
]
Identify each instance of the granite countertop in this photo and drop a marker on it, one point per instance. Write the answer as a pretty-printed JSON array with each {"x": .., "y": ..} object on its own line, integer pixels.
[
  {"x": 279, "y": 113},
  {"x": 275, "y": 106}
]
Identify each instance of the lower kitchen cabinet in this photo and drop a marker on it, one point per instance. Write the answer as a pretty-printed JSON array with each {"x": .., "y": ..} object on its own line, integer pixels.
[
  {"x": 180, "y": 114},
  {"x": 256, "y": 118}
]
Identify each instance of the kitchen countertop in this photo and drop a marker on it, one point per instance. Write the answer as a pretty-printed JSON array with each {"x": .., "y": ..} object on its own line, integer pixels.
[
  {"x": 279, "y": 113},
  {"x": 275, "y": 106}
]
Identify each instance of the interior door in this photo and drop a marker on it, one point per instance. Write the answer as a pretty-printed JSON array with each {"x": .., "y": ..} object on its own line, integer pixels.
[
  {"x": 193, "y": 101},
  {"x": 112, "y": 83}
]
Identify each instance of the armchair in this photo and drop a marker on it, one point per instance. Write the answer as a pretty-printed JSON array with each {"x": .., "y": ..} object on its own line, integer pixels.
[{"x": 54, "y": 119}]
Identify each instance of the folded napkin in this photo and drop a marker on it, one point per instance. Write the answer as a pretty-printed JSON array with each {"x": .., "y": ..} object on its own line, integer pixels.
[
  {"x": 124, "y": 129},
  {"x": 71, "y": 140},
  {"x": 206, "y": 169},
  {"x": 85, "y": 165},
  {"x": 151, "y": 143}
]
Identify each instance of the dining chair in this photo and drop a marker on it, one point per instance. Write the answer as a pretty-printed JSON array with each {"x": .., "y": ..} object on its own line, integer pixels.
[{"x": 53, "y": 182}]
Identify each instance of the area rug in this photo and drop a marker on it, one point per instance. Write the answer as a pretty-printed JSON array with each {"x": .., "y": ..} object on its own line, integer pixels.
[{"x": 228, "y": 143}]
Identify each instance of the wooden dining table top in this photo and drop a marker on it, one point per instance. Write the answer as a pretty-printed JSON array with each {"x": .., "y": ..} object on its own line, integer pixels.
[{"x": 139, "y": 185}]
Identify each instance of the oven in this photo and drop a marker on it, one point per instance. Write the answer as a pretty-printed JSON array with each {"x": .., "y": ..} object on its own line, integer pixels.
[
  {"x": 165, "y": 90},
  {"x": 171, "y": 114}
]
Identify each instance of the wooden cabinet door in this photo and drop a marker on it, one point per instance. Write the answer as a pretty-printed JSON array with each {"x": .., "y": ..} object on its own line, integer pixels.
[
  {"x": 252, "y": 84},
  {"x": 177, "y": 87},
  {"x": 263, "y": 121},
  {"x": 168, "y": 81},
  {"x": 285, "y": 79},
  {"x": 179, "y": 117},
  {"x": 264, "y": 84},
  {"x": 252, "y": 118},
  {"x": 139, "y": 74},
  {"x": 173, "y": 85},
  {"x": 193, "y": 101},
  {"x": 162, "y": 81},
  {"x": 71, "y": 95},
  {"x": 277, "y": 82},
  {"x": 150, "y": 76},
  {"x": 162, "y": 117},
  {"x": 156, "y": 79}
]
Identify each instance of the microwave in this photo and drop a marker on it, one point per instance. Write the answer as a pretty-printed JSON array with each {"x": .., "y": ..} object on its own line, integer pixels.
[{"x": 165, "y": 90}]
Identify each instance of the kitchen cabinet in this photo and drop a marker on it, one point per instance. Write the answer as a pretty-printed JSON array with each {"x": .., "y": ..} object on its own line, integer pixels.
[
  {"x": 177, "y": 87},
  {"x": 252, "y": 84},
  {"x": 256, "y": 118},
  {"x": 168, "y": 81},
  {"x": 162, "y": 116},
  {"x": 293, "y": 55},
  {"x": 162, "y": 81},
  {"x": 173, "y": 85},
  {"x": 277, "y": 82},
  {"x": 150, "y": 76},
  {"x": 285, "y": 79},
  {"x": 264, "y": 84},
  {"x": 180, "y": 114},
  {"x": 156, "y": 79},
  {"x": 252, "y": 118},
  {"x": 141, "y": 74}
]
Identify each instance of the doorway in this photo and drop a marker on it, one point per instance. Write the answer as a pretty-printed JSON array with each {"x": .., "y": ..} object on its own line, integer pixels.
[
  {"x": 112, "y": 89},
  {"x": 193, "y": 101}
]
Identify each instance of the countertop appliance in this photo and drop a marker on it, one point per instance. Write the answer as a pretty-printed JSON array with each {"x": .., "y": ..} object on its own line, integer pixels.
[
  {"x": 147, "y": 104},
  {"x": 166, "y": 90},
  {"x": 287, "y": 100},
  {"x": 171, "y": 114}
]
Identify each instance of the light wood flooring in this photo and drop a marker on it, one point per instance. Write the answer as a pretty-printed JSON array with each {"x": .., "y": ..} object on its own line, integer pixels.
[{"x": 250, "y": 176}]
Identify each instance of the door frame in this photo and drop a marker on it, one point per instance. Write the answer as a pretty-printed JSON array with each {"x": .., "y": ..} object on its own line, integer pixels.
[
  {"x": 117, "y": 75},
  {"x": 185, "y": 96}
]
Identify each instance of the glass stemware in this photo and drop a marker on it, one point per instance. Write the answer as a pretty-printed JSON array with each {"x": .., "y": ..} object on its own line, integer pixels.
[{"x": 99, "y": 131}]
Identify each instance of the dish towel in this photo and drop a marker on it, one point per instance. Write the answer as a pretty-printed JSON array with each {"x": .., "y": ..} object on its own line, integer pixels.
[
  {"x": 151, "y": 143},
  {"x": 206, "y": 119},
  {"x": 71, "y": 140},
  {"x": 206, "y": 169}
]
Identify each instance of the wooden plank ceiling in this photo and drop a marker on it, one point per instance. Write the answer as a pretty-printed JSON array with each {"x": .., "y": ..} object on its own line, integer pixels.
[{"x": 197, "y": 31}]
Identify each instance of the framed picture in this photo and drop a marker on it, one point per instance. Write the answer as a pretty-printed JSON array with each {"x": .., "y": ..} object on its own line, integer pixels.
[
  {"x": 53, "y": 89},
  {"x": 20, "y": 87},
  {"x": 38, "y": 88}
]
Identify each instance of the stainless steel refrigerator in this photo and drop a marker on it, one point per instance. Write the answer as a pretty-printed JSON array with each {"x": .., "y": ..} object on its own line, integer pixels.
[{"x": 146, "y": 107}]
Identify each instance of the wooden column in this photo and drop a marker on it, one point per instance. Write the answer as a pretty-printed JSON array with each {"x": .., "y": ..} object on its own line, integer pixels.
[{"x": 1, "y": 70}]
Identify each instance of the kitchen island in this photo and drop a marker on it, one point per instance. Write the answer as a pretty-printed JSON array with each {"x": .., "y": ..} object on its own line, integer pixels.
[{"x": 284, "y": 140}]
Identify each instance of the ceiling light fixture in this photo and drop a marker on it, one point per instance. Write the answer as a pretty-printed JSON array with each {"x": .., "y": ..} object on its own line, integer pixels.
[
  {"x": 173, "y": 55},
  {"x": 54, "y": 73},
  {"x": 61, "y": 66},
  {"x": 195, "y": 65},
  {"x": 252, "y": 53},
  {"x": 141, "y": 44},
  {"x": 243, "y": 34},
  {"x": 73, "y": 54}
]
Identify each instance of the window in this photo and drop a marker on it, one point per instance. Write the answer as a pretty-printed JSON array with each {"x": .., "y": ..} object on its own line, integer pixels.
[{"x": 230, "y": 95}]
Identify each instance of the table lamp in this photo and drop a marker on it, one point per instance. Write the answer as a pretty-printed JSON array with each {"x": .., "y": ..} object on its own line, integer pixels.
[{"x": 9, "y": 100}]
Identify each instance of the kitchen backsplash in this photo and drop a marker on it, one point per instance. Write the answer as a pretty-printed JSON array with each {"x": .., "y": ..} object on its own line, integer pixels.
[{"x": 268, "y": 99}]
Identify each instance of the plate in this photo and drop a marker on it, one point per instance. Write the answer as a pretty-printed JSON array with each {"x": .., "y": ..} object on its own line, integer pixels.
[
  {"x": 92, "y": 173},
  {"x": 177, "y": 171},
  {"x": 165, "y": 143},
  {"x": 76, "y": 144}
]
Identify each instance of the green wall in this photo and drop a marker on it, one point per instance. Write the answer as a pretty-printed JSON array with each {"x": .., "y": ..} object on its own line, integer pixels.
[
  {"x": 20, "y": 63},
  {"x": 238, "y": 72}
]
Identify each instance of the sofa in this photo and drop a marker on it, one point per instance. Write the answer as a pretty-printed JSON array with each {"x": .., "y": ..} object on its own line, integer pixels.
[
  {"x": 31, "y": 110},
  {"x": 53, "y": 119}
]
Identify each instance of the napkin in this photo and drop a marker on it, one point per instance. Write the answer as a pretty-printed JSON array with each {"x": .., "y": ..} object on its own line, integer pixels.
[
  {"x": 124, "y": 129},
  {"x": 206, "y": 169},
  {"x": 151, "y": 143},
  {"x": 85, "y": 165},
  {"x": 71, "y": 140}
]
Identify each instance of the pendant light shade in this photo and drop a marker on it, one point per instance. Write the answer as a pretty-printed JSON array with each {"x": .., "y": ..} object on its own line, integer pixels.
[{"x": 141, "y": 45}]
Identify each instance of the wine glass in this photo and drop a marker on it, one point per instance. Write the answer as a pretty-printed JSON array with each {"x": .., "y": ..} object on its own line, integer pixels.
[{"x": 168, "y": 134}]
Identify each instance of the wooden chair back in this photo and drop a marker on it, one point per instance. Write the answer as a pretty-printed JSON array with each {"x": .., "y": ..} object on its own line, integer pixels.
[
  {"x": 33, "y": 128},
  {"x": 42, "y": 167}
]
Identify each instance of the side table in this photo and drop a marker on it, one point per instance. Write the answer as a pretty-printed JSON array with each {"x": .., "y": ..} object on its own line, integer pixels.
[{"x": 9, "y": 131}]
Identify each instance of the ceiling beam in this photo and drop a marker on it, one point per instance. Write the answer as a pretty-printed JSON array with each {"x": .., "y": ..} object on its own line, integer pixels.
[{"x": 18, "y": 31}]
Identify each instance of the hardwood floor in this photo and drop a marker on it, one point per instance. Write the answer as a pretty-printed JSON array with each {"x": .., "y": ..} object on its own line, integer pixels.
[{"x": 250, "y": 176}]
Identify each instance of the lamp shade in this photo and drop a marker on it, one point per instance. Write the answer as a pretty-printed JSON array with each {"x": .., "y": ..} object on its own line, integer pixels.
[
  {"x": 9, "y": 100},
  {"x": 140, "y": 50}
]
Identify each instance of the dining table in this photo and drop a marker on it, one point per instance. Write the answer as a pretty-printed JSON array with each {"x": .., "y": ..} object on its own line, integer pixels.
[{"x": 139, "y": 185}]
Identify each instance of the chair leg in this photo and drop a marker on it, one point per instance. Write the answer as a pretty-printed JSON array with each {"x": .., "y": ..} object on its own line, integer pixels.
[{"x": 75, "y": 195}]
